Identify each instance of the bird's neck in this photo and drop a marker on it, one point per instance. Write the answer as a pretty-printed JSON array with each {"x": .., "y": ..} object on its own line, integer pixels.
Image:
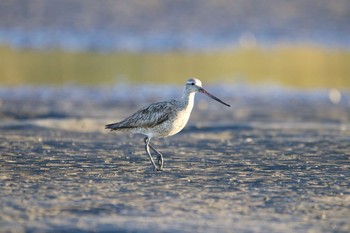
[{"x": 188, "y": 99}]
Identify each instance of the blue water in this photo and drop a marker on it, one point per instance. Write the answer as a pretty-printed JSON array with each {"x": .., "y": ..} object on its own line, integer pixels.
[{"x": 104, "y": 41}]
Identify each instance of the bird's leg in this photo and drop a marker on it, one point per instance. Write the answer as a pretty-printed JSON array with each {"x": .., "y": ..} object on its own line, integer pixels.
[
  {"x": 147, "y": 139},
  {"x": 159, "y": 157}
]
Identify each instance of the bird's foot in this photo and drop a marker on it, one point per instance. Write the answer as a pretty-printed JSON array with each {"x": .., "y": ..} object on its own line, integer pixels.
[
  {"x": 160, "y": 161},
  {"x": 158, "y": 169}
]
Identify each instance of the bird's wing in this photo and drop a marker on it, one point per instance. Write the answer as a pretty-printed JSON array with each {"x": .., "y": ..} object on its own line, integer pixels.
[{"x": 150, "y": 116}]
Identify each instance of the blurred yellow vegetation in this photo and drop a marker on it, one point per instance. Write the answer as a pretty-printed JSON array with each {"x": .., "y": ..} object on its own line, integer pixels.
[{"x": 296, "y": 66}]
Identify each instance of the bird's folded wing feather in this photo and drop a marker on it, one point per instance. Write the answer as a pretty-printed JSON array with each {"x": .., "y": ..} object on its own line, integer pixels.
[{"x": 150, "y": 116}]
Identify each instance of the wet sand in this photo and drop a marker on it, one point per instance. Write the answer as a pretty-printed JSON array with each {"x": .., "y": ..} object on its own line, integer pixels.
[{"x": 277, "y": 161}]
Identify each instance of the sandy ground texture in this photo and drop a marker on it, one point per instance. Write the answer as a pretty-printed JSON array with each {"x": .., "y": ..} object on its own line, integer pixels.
[{"x": 277, "y": 161}]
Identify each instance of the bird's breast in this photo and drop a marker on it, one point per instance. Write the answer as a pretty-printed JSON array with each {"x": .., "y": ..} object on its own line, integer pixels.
[{"x": 179, "y": 120}]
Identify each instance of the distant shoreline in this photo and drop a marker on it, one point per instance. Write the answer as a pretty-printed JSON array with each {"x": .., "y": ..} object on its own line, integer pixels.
[{"x": 304, "y": 66}]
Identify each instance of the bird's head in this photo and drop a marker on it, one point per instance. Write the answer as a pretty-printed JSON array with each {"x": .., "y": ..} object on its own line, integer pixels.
[{"x": 194, "y": 85}]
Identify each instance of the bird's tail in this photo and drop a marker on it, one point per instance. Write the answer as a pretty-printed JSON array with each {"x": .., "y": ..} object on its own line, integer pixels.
[
  {"x": 114, "y": 126},
  {"x": 117, "y": 126}
]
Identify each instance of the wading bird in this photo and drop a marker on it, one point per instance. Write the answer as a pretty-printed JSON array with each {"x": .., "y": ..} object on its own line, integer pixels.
[{"x": 163, "y": 119}]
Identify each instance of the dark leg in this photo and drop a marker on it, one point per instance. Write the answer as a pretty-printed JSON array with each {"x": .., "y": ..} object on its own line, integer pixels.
[
  {"x": 159, "y": 157},
  {"x": 149, "y": 154}
]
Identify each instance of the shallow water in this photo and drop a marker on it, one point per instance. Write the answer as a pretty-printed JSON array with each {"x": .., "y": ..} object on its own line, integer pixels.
[{"x": 277, "y": 161}]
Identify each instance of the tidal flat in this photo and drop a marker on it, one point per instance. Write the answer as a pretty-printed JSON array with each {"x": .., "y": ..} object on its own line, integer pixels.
[{"x": 278, "y": 160}]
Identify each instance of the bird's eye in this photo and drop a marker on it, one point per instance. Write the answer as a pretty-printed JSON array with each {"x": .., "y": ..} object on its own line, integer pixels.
[{"x": 192, "y": 84}]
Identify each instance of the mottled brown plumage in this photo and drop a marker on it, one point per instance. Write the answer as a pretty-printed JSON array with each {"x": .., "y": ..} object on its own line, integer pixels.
[
  {"x": 163, "y": 119},
  {"x": 150, "y": 116}
]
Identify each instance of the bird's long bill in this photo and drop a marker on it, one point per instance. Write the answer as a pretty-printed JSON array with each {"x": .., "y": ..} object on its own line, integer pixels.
[{"x": 213, "y": 97}]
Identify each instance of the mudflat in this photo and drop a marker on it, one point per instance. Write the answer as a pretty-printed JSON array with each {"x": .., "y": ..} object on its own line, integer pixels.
[{"x": 277, "y": 161}]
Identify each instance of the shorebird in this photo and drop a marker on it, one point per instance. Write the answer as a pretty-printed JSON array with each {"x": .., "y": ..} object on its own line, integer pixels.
[{"x": 163, "y": 119}]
